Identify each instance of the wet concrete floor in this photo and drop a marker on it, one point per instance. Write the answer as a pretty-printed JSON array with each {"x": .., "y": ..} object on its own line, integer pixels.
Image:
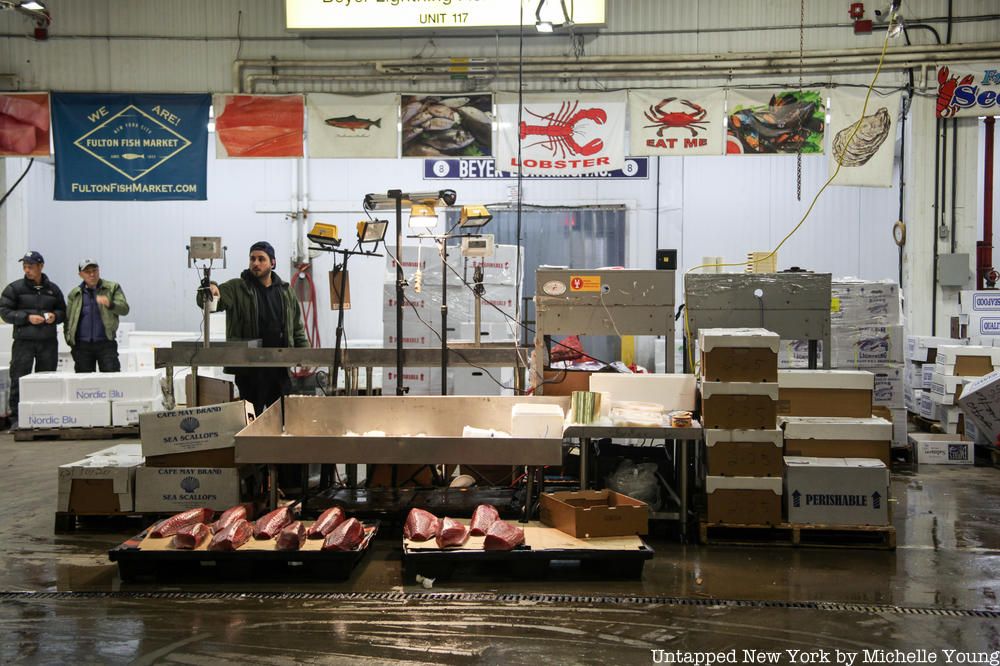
[{"x": 61, "y": 599}]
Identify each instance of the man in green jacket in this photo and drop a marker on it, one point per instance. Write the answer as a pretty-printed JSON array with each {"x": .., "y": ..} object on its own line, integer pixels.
[
  {"x": 92, "y": 311},
  {"x": 260, "y": 305}
]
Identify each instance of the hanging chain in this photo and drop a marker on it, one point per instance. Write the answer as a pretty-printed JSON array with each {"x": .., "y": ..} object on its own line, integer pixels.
[{"x": 798, "y": 154}]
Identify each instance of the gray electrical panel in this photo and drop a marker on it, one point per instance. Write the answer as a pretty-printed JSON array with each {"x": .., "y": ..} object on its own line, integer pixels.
[{"x": 954, "y": 270}]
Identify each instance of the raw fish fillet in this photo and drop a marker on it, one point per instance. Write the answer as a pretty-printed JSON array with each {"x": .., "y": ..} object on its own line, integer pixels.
[
  {"x": 25, "y": 110},
  {"x": 229, "y": 516},
  {"x": 170, "y": 526},
  {"x": 232, "y": 537},
  {"x": 421, "y": 525},
  {"x": 190, "y": 537},
  {"x": 453, "y": 533},
  {"x": 267, "y": 527},
  {"x": 348, "y": 535},
  {"x": 484, "y": 516},
  {"x": 261, "y": 126},
  {"x": 292, "y": 536},
  {"x": 326, "y": 523},
  {"x": 503, "y": 536},
  {"x": 16, "y": 137}
]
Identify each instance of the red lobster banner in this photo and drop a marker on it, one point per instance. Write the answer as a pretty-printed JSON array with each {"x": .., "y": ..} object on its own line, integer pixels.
[
  {"x": 972, "y": 90},
  {"x": 562, "y": 133},
  {"x": 677, "y": 122}
]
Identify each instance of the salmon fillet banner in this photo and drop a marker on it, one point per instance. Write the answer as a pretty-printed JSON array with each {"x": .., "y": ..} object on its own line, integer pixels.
[
  {"x": 24, "y": 125},
  {"x": 258, "y": 125},
  {"x": 130, "y": 147}
]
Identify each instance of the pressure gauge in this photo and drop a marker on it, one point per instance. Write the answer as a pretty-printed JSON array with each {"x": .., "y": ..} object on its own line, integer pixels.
[
  {"x": 554, "y": 288},
  {"x": 899, "y": 233}
]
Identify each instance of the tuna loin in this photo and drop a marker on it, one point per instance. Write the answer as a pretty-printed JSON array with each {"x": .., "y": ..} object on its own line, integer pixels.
[
  {"x": 326, "y": 523},
  {"x": 292, "y": 536},
  {"x": 230, "y": 516},
  {"x": 348, "y": 535},
  {"x": 267, "y": 527},
  {"x": 453, "y": 533},
  {"x": 421, "y": 525},
  {"x": 484, "y": 516},
  {"x": 503, "y": 536},
  {"x": 170, "y": 526},
  {"x": 191, "y": 536},
  {"x": 232, "y": 537}
]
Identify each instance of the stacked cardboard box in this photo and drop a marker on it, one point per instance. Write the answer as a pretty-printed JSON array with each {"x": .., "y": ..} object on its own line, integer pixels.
[
  {"x": 979, "y": 313},
  {"x": 836, "y": 491},
  {"x": 837, "y": 437},
  {"x": 739, "y": 391},
  {"x": 980, "y": 403},
  {"x": 102, "y": 483},
  {"x": 71, "y": 400},
  {"x": 954, "y": 366},
  {"x": 918, "y": 377},
  {"x": 941, "y": 449}
]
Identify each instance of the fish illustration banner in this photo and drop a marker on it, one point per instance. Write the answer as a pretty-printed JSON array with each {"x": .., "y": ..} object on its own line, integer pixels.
[
  {"x": 447, "y": 125},
  {"x": 259, "y": 125},
  {"x": 130, "y": 147},
  {"x": 968, "y": 90},
  {"x": 353, "y": 125},
  {"x": 677, "y": 122},
  {"x": 867, "y": 159},
  {"x": 24, "y": 125},
  {"x": 771, "y": 122},
  {"x": 562, "y": 133}
]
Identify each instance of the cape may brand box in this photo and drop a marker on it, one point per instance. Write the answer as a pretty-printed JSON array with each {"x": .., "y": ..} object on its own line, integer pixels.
[
  {"x": 744, "y": 452},
  {"x": 832, "y": 437},
  {"x": 179, "y": 488},
  {"x": 825, "y": 393},
  {"x": 743, "y": 500},
  {"x": 192, "y": 430},
  {"x": 739, "y": 405},
  {"x": 836, "y": 491},
  {"x": 594, "y": 513},
  {"x": 738, "y": 354}
]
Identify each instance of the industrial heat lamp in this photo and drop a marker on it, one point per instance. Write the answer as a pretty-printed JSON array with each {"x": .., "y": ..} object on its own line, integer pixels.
[
  {"x": 372, "y": 231},
  {"x": 423, "y": 216},
  {"x": 325, "y": 235},
  {"x": 474, "y": 217}
]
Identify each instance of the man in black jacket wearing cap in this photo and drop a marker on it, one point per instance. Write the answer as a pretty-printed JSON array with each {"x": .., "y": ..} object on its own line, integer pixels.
[{"x": 35, "y": 306}]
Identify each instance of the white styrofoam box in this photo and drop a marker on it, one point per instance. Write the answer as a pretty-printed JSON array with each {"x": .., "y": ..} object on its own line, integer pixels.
[
  {"x": 708, "y": 389},
  {"x": 65, "y": 362},
  {"x": 112, "y": 386},
  {"x": 179, "y": 488},
  {"x": 919, "y": 347},
  {"x": 837, "y": 491},
  {"x": 867, "y": 346},
  {"x": 119, "y": 467},
  {"x": 126, "y": 412},
  {"x": 985, "y": 340},
  {"x": 121, "y": 335},
  {"x": 949, "y": 369},
  {"x": 4, "y": 391},
  {"x": 495, "y": 332},
  {"x": 899, "y": 423},
  {"x": 6, "y": 335},
  {"x": 500, "y": 269},
  {"x": 43, "y": 387},
  {"x": 827, "y": 379},
  {"x": 926, "y": 406},
  {"x": 943, "y": 387},
  {"x": 536, "y": 420},
  {"x": 910, "y": 400},
  {"x": 949, "y": 354},
  {"x": 150, "y": 340},
  {"x": 980, "y": 402},
  {"x": 472, "y": 381},
  {"x": 927, "y": 376},
  {"x": 181, "y": 375},
  {"x": 673, "y": 392},
  {"x": 888, "y": 391},
  {"x": 860, "y": 301},
  {"x": 980, "y": 303},
  {"x": 119, "y": 450},
  {"x": 419, "y": 381},
  {"x": 835, "y": 427},
  {"x": 143, "y": 360},
  {"x": 711, "y": 338},
  {"x": 498, "y": 305},
  {"x": 126, "y": 359},
  {"x": 64, "y": 414},
  {"x": 936, "y": 449}
]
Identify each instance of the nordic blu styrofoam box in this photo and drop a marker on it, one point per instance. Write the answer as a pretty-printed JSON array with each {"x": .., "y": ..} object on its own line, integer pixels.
[
  {"x": 672, "y": 391},
  {"x": 112, "y": 386},
  {"x": 64, "y": 414},
  {"x": 43, "y": 387},
  {"x": 836, "y": 491},
  {"x": 536, "y": 420},
  {"x": 126, "y": 412}
]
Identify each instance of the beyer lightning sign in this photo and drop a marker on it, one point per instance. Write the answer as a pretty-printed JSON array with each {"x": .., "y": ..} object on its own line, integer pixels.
[
  {"x": 635, "y": 168},
  {"x": 969, "y": 90}
]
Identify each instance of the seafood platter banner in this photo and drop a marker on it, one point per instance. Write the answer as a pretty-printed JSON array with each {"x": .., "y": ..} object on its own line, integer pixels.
[
  {"x": 352, "y": 125},
  {"x": 132, "y": 147},
  {"x": 258, "y": 125},
  {"x": 562, "y": 133},
  {"x": 24, "y": 125},
  {"x": 968, "y": 90},
  {"x": 867, "y": 160},
  {"x": 677, "y": 122},
  {"x": 766, "y": 122},
  {"x": 447, "y": 125}
]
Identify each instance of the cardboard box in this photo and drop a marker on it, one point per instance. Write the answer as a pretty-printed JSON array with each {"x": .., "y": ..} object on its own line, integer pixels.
[
  {"x": 825, "y": 393},
  {"x": 926, "y": 376},
  {"x": 673, "y": 391},
  {"x": 738, "y": 354},
  {"x": 923, "y": 348},
  {"x": 836, "y": 491},
  {"x": 43, "y": 387},
  {"x": 126, "y": 412},
  {"x": 744, "y": 452},
  {"x": 744, "y": 500},
  {"x": 64, "y": 414},
  {"x": 594, "y": 513},
  {"x": 866, "y": 346},
  {"x": 861, "y": 301},
  {"x": 739, "y": 405},
  {"x": 99, "y": 484},
  {"x": 195, "y": 429},
  {"x": 210, "y": 458},
  {"x": 967, "y": 366},
  {"x": 980, "y": 402},
  {"x": 926, "y": 406},
  {"x": 946, "y": 389},
  {"x": 564, "y": 382},
  {"x": 829, "y": 437},
  {"x": 173, "y": 489},
  {"x": 952, "y": 354},
  {"x": 942, "y": 449},
  {"x": 889, "y": 389},
  {"x": 211, "y": 391}
]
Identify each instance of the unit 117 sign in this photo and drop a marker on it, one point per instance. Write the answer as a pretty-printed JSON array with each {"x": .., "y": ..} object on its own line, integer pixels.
[{"x": 971, "y": 91}]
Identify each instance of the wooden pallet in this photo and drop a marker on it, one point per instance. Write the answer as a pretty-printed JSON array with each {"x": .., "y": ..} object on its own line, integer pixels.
[
  {"x": 64, "y": 434},
  {"x": 789, "y": 534}
]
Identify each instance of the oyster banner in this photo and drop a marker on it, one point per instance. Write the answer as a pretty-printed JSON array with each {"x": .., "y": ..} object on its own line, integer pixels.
[
  {"x": 352, "y": 125},
  {"x": 677, "y": 122},
  {"x": 768, "y": 122},
  {"x": 968, "y": 90},
  {"x": 447, "y": 125},
  {"x": 867, "y": 160},
  {"x": 566, "y": 134}
]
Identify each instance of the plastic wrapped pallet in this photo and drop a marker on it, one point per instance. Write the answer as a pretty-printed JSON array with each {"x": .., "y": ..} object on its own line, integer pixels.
[
  {"x": 865, "y": 302},
  {"x": 867, "y": 346}
]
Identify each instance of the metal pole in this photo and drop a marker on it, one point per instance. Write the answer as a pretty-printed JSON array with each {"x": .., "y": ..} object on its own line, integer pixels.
[
  {"x": 444, "y": 316},
  {"x": 340, "y": 326},
  {"x": 398, "y": 195}
]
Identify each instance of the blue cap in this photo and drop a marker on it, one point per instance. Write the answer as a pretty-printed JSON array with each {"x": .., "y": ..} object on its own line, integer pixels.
[
  {"x": 32, "y": 257},
  {"x": 264, "y": 247}
]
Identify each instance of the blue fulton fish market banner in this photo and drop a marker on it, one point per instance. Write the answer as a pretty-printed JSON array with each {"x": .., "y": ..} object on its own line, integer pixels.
[{"x": 114, "y": 147}]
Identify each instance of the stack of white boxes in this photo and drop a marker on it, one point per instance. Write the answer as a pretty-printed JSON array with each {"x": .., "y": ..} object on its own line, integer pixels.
[
  {"x": 739, "y": 373},
  {"x": 71, "y": 400},
  {"x": 83, "y": 487},
  {"x": 979, "y": 312},
  {"x": 955, "y": 366},
  {"x": 921, "y": 352}
]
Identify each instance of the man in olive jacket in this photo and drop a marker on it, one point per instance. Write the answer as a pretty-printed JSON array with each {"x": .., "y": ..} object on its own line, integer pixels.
[
  {"x": 92, "y": 311},
  {"x": 35, "y": 306},
  {"x": 260, "y": 305}
]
